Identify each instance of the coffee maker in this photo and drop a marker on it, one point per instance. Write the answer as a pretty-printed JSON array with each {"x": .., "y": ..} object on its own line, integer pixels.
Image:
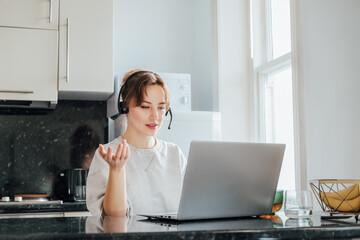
[{"x": 74, "y": 181}]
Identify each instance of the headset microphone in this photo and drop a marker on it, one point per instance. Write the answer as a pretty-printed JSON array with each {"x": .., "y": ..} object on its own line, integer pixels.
[{"x": 169, "y": 111}]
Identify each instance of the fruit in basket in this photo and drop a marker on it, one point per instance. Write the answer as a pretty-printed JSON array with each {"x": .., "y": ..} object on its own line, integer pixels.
[
  {"x": 347, "y": 193},
  {"x": 346, "y": 200},
  {"x": 352, "y": 205}
]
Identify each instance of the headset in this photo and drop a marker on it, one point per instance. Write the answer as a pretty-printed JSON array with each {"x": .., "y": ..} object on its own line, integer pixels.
[{"x": 120, "y": 104}]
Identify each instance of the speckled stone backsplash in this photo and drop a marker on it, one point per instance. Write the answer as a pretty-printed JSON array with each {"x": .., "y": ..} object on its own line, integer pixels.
[{"x": 36, "y": 147}]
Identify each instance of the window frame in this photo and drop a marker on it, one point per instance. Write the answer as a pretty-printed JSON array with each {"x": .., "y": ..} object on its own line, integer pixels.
[{"x": 263, "y": 64}]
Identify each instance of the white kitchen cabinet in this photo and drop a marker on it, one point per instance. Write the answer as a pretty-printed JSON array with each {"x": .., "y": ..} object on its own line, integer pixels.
[
  {"x": 86, "y": 49},
  {"x": 28, "y": 64},
  {"x": 29, "y": 13}
]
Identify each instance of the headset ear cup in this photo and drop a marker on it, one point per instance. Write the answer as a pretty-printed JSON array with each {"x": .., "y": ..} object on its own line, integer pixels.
[{"x": 122, "y": 109}]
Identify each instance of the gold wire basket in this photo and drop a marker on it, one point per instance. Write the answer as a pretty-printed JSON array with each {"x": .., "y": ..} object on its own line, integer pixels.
[{"x": 337, "y": 195}]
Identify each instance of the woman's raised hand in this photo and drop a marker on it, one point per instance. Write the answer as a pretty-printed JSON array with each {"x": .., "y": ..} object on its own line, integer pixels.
[{"x": 118, "y": 160}]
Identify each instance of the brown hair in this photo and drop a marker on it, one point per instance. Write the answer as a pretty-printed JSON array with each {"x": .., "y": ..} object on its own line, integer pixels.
[{"x": 135, "y": 84}]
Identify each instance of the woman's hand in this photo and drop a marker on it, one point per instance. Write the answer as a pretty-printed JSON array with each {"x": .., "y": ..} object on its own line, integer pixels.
[{"x": 118, "y": 160}]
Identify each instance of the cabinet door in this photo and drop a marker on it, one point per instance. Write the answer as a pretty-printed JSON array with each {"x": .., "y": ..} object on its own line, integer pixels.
[
  {"x": 28, "y": 64},
  {"x": 29, "y": 13},
  {"x": 86, "y": 49}
]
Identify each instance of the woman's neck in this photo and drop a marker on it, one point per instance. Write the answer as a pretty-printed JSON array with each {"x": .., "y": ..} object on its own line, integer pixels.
[{"x": 144, "y": 142}]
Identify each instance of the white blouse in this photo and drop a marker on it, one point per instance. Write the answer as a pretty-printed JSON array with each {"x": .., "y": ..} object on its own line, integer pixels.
[{"x": 153, "y": 178}]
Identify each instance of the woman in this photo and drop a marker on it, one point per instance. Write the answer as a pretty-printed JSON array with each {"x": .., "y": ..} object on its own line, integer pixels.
[{"x": 143, "y": 174}]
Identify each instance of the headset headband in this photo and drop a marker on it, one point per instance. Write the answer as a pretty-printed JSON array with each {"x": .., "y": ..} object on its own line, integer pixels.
[{"x": 121, "y": 107}]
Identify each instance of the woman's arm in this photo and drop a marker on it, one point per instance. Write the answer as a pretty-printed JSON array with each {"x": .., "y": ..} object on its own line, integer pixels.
[{"x": 115, "y": 200}]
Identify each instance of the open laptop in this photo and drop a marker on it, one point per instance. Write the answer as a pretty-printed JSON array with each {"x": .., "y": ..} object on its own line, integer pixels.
[{"x": 228, "y": 179}]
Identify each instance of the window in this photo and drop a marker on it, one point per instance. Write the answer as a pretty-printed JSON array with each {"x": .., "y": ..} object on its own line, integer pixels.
[
  {"x": 271, "y": 50},
  {"x": 280, "y": 28}
]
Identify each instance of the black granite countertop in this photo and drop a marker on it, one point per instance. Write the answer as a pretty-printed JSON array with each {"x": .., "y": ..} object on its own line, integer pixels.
[
  {"x": 51, "y": 206},
  {"x": 142, "y": 228}
]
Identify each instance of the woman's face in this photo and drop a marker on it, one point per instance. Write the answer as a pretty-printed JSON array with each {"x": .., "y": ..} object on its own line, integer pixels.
[{"x": 147, "y": 118}]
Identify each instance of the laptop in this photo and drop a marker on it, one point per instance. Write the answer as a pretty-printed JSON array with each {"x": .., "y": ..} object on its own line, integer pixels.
[
  {"x": 210, "y": 224},
  {"x": 228, "y": 179}
]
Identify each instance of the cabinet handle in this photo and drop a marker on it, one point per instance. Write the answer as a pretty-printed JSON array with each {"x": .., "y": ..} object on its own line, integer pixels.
[
  {"x": 50, "y": 11},
  {"x": 15, "y": 91},
  {"x": 68, "y": 51}
]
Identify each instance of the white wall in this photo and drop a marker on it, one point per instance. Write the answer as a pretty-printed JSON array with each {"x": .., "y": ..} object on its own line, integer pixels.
[
  {"x": 328, "y": 72},
  {"x": 169, "y": 36},
  {"x": 235, "y": 92},
  {"x": 210, "y": 39}
]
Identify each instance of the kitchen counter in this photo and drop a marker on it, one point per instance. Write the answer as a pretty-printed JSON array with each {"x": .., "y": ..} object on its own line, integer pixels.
[
  {"x": 51, "y": 206},
  {"x": 142, "y": 228}
]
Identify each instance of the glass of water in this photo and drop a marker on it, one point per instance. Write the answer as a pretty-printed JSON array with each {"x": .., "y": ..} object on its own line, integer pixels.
[{"x": 298, "y": 204}]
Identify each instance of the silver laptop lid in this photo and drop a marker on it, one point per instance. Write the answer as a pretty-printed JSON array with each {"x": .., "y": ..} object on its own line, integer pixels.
[{"x": 230, "y": 179}]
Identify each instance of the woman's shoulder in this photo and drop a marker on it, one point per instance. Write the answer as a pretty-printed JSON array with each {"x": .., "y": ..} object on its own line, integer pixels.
[
  {"x": 169, "y": 146},
  {"x": 173, "y": 151},
  {"x": 163, "y": 143}
]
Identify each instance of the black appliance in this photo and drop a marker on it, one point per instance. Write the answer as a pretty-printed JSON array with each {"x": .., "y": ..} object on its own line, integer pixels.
[{"x": 74, "y": 184}]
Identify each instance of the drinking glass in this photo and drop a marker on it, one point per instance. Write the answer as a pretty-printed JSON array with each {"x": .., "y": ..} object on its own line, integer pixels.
[
  {"x": 300, "y": 222},
  {"x": 298, "y": 204}
]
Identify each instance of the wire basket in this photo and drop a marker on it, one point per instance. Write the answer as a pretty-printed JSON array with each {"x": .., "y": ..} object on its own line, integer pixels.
[{"x": 337, "y": 195}]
